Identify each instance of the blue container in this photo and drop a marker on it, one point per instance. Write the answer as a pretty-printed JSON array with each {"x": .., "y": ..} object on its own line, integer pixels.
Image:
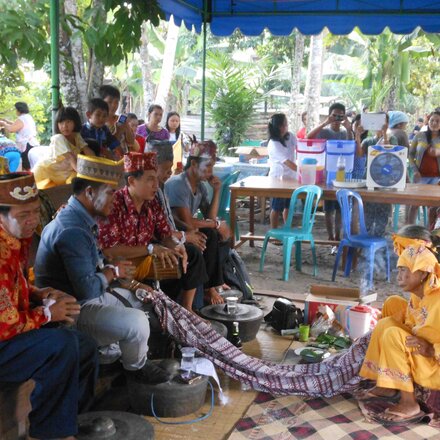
[{"x": 334, "y": 149}]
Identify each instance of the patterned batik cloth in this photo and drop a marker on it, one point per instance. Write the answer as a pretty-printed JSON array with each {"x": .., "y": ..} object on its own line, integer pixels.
[
  {"x": 338, "y": 418},
  {"x": 126, "y": 226},
  {"x": 331, "y": 377},
  {"x": 16, "y": 315}
]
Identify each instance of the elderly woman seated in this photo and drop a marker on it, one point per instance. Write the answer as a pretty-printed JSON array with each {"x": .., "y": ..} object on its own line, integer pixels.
[{"x": 404, "y": 349}]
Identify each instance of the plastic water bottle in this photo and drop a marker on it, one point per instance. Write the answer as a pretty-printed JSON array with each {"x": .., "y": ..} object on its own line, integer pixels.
[{"x": 340, "y": 173}]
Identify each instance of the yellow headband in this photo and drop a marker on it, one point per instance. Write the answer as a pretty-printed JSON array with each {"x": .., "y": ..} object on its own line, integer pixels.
[
  {"x": 421, "y": 258},
  {"x": 401, "y": 243}
]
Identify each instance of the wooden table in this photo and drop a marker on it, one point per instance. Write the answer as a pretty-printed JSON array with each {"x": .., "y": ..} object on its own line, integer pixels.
[{"x": 264, "y": 186}]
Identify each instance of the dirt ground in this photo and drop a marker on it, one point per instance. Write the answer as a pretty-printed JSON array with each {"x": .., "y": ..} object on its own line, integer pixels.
[{"x": 299, "y": 282}]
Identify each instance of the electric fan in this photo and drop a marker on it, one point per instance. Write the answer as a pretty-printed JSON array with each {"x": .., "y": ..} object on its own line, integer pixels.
[{"x": 386, "y": 167}]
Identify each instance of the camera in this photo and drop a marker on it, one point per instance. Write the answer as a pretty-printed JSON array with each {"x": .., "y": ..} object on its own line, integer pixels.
[
  {"x": 122, "y": 119},
  {"x": 339, "y": 118}
]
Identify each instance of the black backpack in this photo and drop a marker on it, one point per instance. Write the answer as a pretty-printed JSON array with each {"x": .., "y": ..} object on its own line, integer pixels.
[{"x": 235, "y": 274}]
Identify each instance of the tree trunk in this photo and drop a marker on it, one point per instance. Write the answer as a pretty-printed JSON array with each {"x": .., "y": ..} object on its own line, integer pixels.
[
  {"x": 95, "y": 68},
  {"x": 314, "y": 78},
  {"x": 166, "y": 74},
  {"x": 69, "y": 88},
  {"x": 294, "y": 104},
  {"x": 76, "y": 50},
  {"x": 147, "y": 83}
]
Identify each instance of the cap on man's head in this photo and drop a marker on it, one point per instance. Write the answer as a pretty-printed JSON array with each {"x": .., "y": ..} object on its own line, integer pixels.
[
  {"x": 140, "y": 162},
  {"x": 205, "y": 149},
  {"x": 99, "y": 169},
  {"x": 396, "y": 118},
  {"x": 17, "y": 188},
  {"x": 164, "y": 150}
]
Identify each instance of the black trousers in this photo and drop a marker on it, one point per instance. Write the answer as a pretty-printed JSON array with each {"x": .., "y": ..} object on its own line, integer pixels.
[
  {"x": 214, "y": 256},
  {"x": 194, "y": 276}
]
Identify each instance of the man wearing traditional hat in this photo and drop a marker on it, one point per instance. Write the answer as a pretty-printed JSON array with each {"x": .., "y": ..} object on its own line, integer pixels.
[
  {"x": 69, "y": 258},
  {"x": 187, "y": 194},
  {"x": 62, "y": 362},
  {"x": 138, "y": 220}
]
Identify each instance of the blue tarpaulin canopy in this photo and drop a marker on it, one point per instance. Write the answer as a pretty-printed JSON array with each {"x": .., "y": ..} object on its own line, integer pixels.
[{"x": 281, "y": 17}]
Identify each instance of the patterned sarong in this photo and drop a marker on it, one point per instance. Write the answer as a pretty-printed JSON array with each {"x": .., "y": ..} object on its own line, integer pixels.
[{"x": 333, "y": 376}]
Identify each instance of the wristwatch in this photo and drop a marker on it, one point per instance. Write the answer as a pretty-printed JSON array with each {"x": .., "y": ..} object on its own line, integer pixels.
[{"x": 150, "y": 249}]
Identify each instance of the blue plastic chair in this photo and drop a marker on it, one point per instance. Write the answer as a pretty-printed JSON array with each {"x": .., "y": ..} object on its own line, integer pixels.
[
  {"x": 294, "y": 236},
  {"x": 346, "y": 200}
]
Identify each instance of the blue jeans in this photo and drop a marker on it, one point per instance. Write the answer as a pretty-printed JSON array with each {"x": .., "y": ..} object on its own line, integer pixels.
[{"x": 51, "y": 357}]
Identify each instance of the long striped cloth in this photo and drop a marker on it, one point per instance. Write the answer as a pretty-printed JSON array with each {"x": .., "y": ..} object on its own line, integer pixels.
[{"x": 333, "y": 376}]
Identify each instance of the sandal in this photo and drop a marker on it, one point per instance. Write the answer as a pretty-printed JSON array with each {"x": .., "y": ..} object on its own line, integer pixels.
[
  {"x": 403, "y": 420},
  {"x": 367, "y": 395}
]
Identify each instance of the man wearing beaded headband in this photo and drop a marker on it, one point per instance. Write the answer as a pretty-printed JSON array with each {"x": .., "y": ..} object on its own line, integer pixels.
[
  {"x": 69, "y": 258},
  {"x": 187, "y": 194},
  {"x": 49, "y": 356}
]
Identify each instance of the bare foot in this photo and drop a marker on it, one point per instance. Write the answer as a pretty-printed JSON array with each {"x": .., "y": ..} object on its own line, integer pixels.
[
  {"x": 382, "y": 392},
  {"x": 213, "y": 297},
  {"x": 400, "y": 412}
]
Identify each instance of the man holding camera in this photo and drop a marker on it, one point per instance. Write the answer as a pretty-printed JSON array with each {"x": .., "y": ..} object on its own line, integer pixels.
[{"x": 335, "y": 127}]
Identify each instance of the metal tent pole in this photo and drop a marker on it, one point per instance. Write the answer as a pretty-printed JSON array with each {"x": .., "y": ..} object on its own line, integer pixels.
[
  {"x": 202, "y": 119},
  {"x": 55, "y": 57}
]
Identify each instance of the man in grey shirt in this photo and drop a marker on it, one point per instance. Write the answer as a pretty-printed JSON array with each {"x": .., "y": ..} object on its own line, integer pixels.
[
  {"x": 335, "y": 127},
  {"x": 187, "y": 194}
]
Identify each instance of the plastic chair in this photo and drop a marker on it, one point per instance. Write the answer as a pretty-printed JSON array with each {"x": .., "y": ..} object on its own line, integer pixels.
[
  {"x": 225, "y": 195},
  {"x": 225, "y": 201},
  {"x": 346, "y": 199},
  {"x": 294, "y": 236},
  {"x": 250, "y": 143},
  {"x": 419, "y": 217}
]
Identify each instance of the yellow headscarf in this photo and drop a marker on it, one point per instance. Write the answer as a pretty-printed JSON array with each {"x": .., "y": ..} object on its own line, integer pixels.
[
  {"x": 419, "y": 257},
  {"x": 401, "y": 243}
]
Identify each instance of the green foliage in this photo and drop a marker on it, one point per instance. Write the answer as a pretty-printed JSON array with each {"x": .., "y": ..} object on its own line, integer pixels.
[
  {"x": 120, "y": 34},
  {"x": 231, "y": 97},
  {"x": 23, "y": 32},
  {"x": 110, "y": 28}
]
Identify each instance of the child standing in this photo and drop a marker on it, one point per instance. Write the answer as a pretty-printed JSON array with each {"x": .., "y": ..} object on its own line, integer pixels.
[
  {"x": 173, "y": 126},
  {"x": 65, "y": 145},
  {"x": 121, "y": 130},
  {"x": 96, "y": 133},
  {"x": 281, "y": 148}
]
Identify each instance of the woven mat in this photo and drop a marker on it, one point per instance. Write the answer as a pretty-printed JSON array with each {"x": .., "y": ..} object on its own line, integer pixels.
[{"x": 339, "y": 418}]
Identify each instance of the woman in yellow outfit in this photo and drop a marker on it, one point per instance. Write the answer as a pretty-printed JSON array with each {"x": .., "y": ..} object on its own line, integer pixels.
[{"x": 406, "y": 351}]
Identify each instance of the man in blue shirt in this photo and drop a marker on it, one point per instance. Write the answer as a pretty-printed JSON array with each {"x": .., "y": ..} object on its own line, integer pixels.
[
  {"x": 95, "y": 131},
  {"x": 68, "y": 258}
]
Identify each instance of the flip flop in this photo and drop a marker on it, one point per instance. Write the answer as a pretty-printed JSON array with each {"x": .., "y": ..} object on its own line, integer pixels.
[
  {"x": 404, "y": 418},
  {"x": 368, "y": 396}
]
